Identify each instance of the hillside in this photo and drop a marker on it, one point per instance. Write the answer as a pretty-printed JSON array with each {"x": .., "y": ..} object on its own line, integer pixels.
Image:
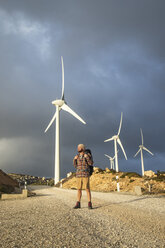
[
  {"x": 105, "y": 181},
  {"x": 7, "y": 184}
]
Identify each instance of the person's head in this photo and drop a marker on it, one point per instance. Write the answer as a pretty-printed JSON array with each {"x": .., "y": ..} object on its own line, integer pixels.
[{"x": 80, "y": 148}]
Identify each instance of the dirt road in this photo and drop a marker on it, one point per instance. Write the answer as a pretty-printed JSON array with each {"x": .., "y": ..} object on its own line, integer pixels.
[{"x": 48, "y": 220}]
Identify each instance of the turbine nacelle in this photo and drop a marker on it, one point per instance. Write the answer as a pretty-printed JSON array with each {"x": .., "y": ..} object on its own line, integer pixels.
[
  {"x": 115, "y": 137},
  {"x": 58, "y": 102}
]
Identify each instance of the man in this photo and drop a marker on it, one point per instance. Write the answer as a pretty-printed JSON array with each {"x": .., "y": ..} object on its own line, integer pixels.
[{"x": 81, "y": 162}]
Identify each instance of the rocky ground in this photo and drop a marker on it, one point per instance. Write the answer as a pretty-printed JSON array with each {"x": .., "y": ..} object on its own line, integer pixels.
[
  {"x": 48, "y": 220},
  {"x": 105, "y": 181}
]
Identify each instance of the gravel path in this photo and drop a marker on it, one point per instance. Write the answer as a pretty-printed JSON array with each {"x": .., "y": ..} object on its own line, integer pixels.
[{"x": 48, "y": 220}]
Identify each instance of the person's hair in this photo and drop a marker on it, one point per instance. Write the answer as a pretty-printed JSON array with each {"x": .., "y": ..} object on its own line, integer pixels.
[{"x": 82, "y": 146}]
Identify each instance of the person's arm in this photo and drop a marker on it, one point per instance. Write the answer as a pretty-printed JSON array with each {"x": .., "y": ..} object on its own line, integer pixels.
[
  {"x": 75, "y": 161},
  {"x": 88, "y": 159}
]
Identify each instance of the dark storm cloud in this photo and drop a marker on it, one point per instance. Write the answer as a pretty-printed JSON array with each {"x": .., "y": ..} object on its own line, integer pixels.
[
  {"x": 114, "y": 62},
  {"x": 101, "y": 22}
]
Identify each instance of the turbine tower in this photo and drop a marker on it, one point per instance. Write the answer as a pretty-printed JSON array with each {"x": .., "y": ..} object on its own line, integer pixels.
[
  {"x": 141, "y": 148},
  {"x": 111, "y": 161},
  {"x": 117, "y": 140},
  {"x": 60, "y": 104}
]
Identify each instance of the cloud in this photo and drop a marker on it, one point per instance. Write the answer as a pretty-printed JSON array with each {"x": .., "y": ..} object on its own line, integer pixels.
[
  {"x": 30, "y": 31},
  {"x": 23, "y": 155},
  {"x": 114, "y": 62}
]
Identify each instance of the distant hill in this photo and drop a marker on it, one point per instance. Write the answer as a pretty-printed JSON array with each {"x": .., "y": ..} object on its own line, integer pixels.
[{"x": 22, "y": 178}]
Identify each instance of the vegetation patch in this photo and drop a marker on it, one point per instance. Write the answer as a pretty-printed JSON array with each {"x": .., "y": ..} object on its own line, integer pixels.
[
  {"x": 130, "y": 174},
  {"x": 159, "y": 178},
  {"x": 112, "y": 171}
]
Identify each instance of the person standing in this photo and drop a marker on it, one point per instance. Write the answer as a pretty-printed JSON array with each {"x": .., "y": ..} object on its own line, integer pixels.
[{"x": 81, "y": 162}]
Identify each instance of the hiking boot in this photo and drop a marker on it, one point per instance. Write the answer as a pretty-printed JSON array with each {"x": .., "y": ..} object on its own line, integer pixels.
[
  {"x": 77, "y": 205},
  {"x": 90, "y": 205}
]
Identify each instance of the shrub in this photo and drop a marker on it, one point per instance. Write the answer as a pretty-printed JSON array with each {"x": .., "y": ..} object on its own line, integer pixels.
[
  {"x": 130, "y": 174},
  {"x": 159, "y": 178},
  {"x": 160, "y": 172},
  {"x": 112, "y": 171},
  {"x": 51, "y": 182}
]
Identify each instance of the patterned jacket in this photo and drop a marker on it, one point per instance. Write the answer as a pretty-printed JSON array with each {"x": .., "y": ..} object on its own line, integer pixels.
[{"x": 82, "y": 165}]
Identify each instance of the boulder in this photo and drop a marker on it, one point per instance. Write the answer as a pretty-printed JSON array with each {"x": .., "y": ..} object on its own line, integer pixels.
[
  {"x": 107, "y": 170},
  {"x": 69, "y": 174},
  {"x": 149, "y": 173},
  {"x": 97, "y": 170},
  {"x": 137, "y": 190}
]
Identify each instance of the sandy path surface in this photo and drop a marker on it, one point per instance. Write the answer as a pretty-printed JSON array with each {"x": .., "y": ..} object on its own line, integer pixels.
[{"x": 48, "y": 220}]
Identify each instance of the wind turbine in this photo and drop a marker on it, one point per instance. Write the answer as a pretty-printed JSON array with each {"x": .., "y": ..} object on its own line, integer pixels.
[
  {"x": 117, "y": 140},
  {"x": 111, "y": 161},
  {"x": 60, "y": 104},
  {"x": 141, "y": 148}
]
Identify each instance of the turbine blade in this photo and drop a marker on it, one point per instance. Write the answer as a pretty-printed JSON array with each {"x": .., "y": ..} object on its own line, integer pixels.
[
  {"x": 119, "y": 142},
  {"x": 147, "y": 150},
  {"x": 137, "y": 153},
  {"x": 142, "y": 136},
  {"x": 50, "y": 123},
  {"x": 109, "y": 139},
  {"x": 62, "y": 96},
  {"x": 107, "y": 156},
  {"x": 120, "y": 123},
  {"x": 69, "y": 110}
]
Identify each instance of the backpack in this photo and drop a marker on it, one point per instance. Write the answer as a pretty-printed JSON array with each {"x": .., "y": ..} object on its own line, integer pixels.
[{"x": 88, "y": 151}]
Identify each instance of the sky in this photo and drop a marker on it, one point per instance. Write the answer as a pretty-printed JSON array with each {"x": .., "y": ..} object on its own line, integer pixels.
[{"x": 114, "y": 61}]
